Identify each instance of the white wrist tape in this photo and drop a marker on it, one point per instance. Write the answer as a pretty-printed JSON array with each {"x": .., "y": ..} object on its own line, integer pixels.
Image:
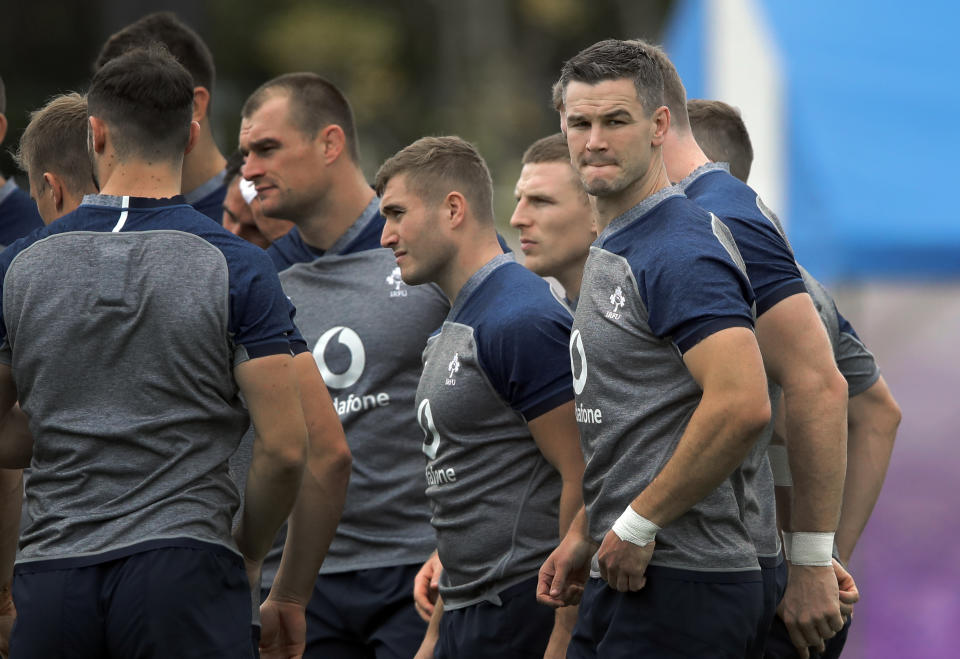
[
  {"x": 634, "y": 527},
  {"x": 787, "y": 545},
  {"x": 812, "y": 549}
]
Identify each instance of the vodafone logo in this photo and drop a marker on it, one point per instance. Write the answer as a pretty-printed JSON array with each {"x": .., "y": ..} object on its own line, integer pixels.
[
  {"x": 576, "y": 348},
  {"x": 358, "y": 358},
  {"x": 431, "y": 441}
]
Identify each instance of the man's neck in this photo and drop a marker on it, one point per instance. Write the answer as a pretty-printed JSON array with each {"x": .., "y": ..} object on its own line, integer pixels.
[
  {"x": 475, "y": 252},
  {"x": 346, "y": 199},
  {"x": 136, "y": 178},
  {"x": 684, "y": 155},
  {"x": 613, "y": 206},
  {"x": 571, "y": 278},
  {"x": 202, "y": 163}
]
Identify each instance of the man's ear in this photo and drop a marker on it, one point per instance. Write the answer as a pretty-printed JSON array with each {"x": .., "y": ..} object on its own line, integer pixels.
[
  {"x": 194, "y": 136},
  {"x": 55, "y": 185},
  {"x": 333, "y": 140},
  {"x": 98, "y": 134},
  {"x": 3, "y": 127},
  {"x": 201, "y": 103},
  {"x": 661, "y": 125},
  {"x": 455, "y": 208}
]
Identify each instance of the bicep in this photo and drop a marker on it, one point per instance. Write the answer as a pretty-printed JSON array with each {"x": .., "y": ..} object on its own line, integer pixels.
[
  {"x": 558, "y": 438},
  {"x": 269, "y": 385},
  {"x": 727, "y": 360},
  {"x": 792, "y": 338}
]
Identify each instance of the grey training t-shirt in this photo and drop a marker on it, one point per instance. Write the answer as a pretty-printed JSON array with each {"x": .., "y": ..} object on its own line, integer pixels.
[
  {"x": 659, "y": 279},
  {"x": 499, "y": 362}
]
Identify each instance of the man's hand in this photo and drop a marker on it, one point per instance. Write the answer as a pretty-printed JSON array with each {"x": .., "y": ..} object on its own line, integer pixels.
[
  {"x": 849, "y": 595},
  {"x": 426, "y": 586},
  {"x": 623, "y": 564},
  {"x": 811, "y": 607},
  {"x": 283, "y": 632},
  {"x": 564, "y": 574}
]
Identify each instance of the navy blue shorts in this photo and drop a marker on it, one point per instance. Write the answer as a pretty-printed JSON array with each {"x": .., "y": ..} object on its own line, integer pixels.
[
  {"x": 165, "y": 602},
  {"x": 671, "y": 617},
  {"x": 519, "y": 628},
  {"x": 365, "y": 614},
  {"x": 779, "y": 646}
]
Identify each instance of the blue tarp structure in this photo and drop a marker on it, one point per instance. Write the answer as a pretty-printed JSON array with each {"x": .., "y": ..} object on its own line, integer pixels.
[{"x": 872, "y": 124}]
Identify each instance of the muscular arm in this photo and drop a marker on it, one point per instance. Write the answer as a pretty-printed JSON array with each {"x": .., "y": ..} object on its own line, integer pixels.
[
  {"x": 798, "y": 356},
  {"x": 558, "y": 438},
  {"x": 279, "y": 447},
  {"x": 873, "y": 419},
  {"x": 316, "y": 513},
  {"x": 733, "y": 410}
]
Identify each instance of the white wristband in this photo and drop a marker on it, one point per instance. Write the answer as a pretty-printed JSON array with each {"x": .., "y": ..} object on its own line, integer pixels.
[
  {"x": 787, "y": 545},
  {"x": 634, "y": 527},
  {"x": 812, "y": 549}
]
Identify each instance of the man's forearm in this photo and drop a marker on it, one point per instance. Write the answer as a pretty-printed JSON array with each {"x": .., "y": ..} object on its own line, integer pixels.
[
  {"x": 571, "y": 503},
  {"x": 816, "y": 427},
  {"x": 313, "y": 521},
  {"x": 873, "y": 421},
  {"x": 716, "y": 441},
  {"x": 311, "y": 528},
  {"x": 272, "y": 487}
]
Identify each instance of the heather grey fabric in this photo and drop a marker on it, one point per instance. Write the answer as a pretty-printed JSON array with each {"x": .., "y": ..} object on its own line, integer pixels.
[
  {"x": 120, "y": 347},
  {"x": 635, "y": 395}
]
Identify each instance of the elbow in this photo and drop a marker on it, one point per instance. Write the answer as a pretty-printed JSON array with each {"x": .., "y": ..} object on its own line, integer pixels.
[
  {"x": 289, "y": 454},
  {"x": 748, "y": 416}
]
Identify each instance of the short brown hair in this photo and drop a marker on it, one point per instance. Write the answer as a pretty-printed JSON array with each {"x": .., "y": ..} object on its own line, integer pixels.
[
  {"x": 674, "y": 93},
  {"x": 55, "y": 141},
  {"x": 613, "y": 59},
  {"x": 435, "y": 166},
  {"x": 721, "y": 133},
  {"x": 552, "y": 148},
  {"x": 314, "y": 104}
]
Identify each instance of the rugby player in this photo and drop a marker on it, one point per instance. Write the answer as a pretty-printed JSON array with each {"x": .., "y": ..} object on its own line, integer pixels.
[
  {"x": 503, "y": 462},
  {"x": 670, "y": 388}
]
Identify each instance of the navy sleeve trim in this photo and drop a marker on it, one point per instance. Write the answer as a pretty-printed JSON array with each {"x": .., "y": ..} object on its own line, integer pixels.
[
  {"x": 268, "y": 348},
  {"x": 298, "y": 346},
  {"x": 712, "y": 327},
  {"x": 548, "y": 404},
  {"x": 769, "y": 299}
]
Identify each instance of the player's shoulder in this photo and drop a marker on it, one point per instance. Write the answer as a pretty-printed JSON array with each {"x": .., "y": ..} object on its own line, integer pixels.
[{"x": 513, "y": 300}]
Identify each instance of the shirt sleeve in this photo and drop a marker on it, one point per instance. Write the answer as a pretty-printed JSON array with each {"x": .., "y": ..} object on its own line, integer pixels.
[
  {"x": 527, "y": 359},
  {"x": 261, "y": 314},
  {"x": 855, "y": 362},
  {"x": 692, "y": 288},
  {"x": 770, "y": 264}
]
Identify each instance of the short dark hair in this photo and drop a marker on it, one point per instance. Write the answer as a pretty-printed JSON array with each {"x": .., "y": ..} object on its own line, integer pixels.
[
  {"x": 435, "y": 166},
  {"x": 674, "y": 93},
  {"x": 315, "y": 103},
  {"x": 3, "y": 97},
  {"x": 552, "y": 148},
  {"x": 234, "y": 165},
  {"x": 613, "y": 59},
  {"x": 721, "y": 133},
  {"x": 163, "y": 27},
  {"x": 146, "y": 98},
  {"x": 55, "y": 141}
]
